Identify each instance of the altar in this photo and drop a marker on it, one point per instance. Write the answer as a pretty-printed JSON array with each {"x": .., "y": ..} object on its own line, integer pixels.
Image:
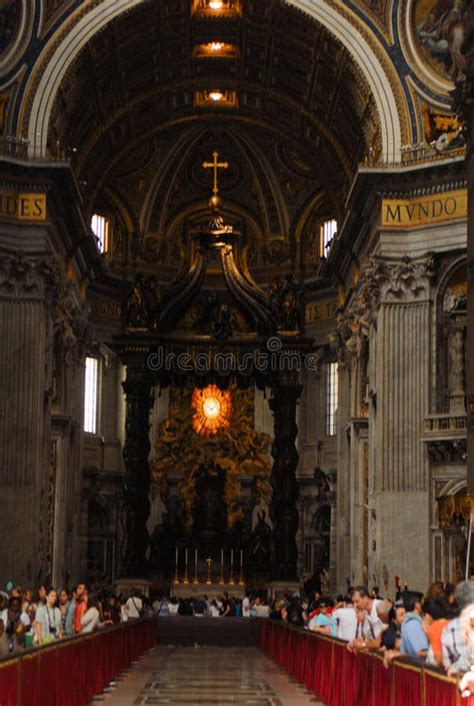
[{"x": 213, "y": 591}]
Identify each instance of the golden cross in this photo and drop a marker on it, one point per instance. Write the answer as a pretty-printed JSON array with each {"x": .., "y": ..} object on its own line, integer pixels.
[{"x": 215, "y": 165}]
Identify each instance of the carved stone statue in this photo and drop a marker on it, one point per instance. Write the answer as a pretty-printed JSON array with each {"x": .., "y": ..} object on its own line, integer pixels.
[
  {"x": 457, "y": 370},
  {"x": 152, "y": 296},
  {"x": 322, "y": 484},
  {"x": 135, "y": 308},
  {"x": 142, "y": 306},
  {"x": 261, "y": 553},
  {"x": 285, "y": 299},
  {"x": 324, "y": 576}
]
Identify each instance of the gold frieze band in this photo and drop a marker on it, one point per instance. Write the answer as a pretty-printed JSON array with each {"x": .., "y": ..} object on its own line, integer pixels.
[
  {"x": 406, "y": 213},
  {"x": 22, "y": 207}
]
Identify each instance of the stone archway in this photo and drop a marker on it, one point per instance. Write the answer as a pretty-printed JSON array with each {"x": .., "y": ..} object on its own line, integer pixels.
[
  {"x": 65, "y": 45},
  {"x": 374, "y": 64}
]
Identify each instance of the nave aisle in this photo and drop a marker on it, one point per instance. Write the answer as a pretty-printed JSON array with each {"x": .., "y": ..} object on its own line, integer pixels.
[{"x": 207, "y": 676}]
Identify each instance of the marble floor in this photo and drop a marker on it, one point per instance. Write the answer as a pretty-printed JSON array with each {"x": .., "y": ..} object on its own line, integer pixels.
[{"x": 206, "y": 676}]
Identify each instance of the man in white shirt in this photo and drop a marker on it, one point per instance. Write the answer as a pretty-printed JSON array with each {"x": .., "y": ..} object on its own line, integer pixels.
[
  {"x": 134, "y": 607},
  {"x": 246, "y": 606},
  {"x": 346, "y": 618},
  {"x": 376, "y": 620},
  {"x": 363, "y": 601},
  {"x": 4, "y": 617},
  {"x": 262, "y": 610}
]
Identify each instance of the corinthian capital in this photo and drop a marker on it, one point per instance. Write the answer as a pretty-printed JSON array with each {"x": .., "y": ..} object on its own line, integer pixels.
[
  {"x": 42, "y": 278},
  {"x": 359, "y": 315},
  {"x": 405, "y": 280},
  {"x": 24, "y": 276}
]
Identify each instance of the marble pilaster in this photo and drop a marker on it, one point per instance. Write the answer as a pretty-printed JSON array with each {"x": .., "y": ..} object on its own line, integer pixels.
[
  {"x": 23, "y": 467},
  {"x": 343, "y": 504},
  {"x": 40, "y": 325},
  {"x": 401, "y": 468}
]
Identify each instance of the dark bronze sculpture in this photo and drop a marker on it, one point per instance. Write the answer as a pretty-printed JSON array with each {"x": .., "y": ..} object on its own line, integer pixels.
[
  {"x": 285, "y": 298},
  {"x": 261, "y": 553},
  {"x": 139, "y": 400},
  {"x": 283, "y": 510}
]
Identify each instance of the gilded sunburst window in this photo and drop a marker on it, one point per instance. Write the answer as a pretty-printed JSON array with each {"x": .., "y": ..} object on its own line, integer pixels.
[{"x": 212, "y": 410}]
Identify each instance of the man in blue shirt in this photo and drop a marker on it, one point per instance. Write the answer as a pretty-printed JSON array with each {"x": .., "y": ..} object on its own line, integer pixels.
[{"x": 414, "y": 639}]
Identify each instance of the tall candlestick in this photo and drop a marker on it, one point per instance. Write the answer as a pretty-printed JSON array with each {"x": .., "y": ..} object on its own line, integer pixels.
[
  {"x": 196, "y": 580},
  {"x": 231, "y": 581},
  {"x": 241, "y": 579},
  {"x": 221, "y": 581},
  {"x": 176, "y": 577},
  {"x": 186, "y": 580}
]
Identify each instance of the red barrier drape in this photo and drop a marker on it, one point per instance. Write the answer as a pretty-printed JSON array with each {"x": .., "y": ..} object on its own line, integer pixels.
[
  {"x": 438, "y": 691},
  {"x": 72, "y": 672},
  {"x": 407, "y": 685},
  {"x": 8, "y": 683},
  {"x": 339, "y": 678},
  {"x": 382, "y": 680}
]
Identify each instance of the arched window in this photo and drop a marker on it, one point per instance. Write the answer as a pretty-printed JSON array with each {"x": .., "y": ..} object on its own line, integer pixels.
[
  {"x": 332, "y": 380},
  {"x": 100, "y": 227},
  {"x": 91, "y": 395},
  {"x": 328, "y": 233}
]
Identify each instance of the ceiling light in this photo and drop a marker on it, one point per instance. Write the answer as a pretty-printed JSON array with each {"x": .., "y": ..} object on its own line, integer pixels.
[
  {"x": 215, "y": 50},
  {"x": 215, "y": 98},
  {"x": 217, "y": 8}
]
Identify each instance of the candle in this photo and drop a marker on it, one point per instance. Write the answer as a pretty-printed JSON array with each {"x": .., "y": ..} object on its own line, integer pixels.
[
  {"x": 195, "y": 557},
  {"x": 241, "y": 558},
  {"x": 222, "y": 557},
  {"x": 186, "y": 559},
  {"x": 232, "y": 558},
  {"x": 176, "y": 560}
]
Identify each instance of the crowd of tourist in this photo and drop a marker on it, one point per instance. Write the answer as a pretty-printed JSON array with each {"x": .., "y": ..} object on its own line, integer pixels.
[
  {"x": 28, "y": 619},
  {"x": 437, "y": 627},
  {"x": 222, "y": 606}
]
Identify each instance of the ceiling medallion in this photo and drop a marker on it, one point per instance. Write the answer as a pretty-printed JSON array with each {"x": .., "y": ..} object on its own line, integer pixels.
[
  {"x": 215, "y": 97},
  {"x": 212, "y": 410},
  {"x": 216, "y": 50},
  {"x": 217, "y": 8}
]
